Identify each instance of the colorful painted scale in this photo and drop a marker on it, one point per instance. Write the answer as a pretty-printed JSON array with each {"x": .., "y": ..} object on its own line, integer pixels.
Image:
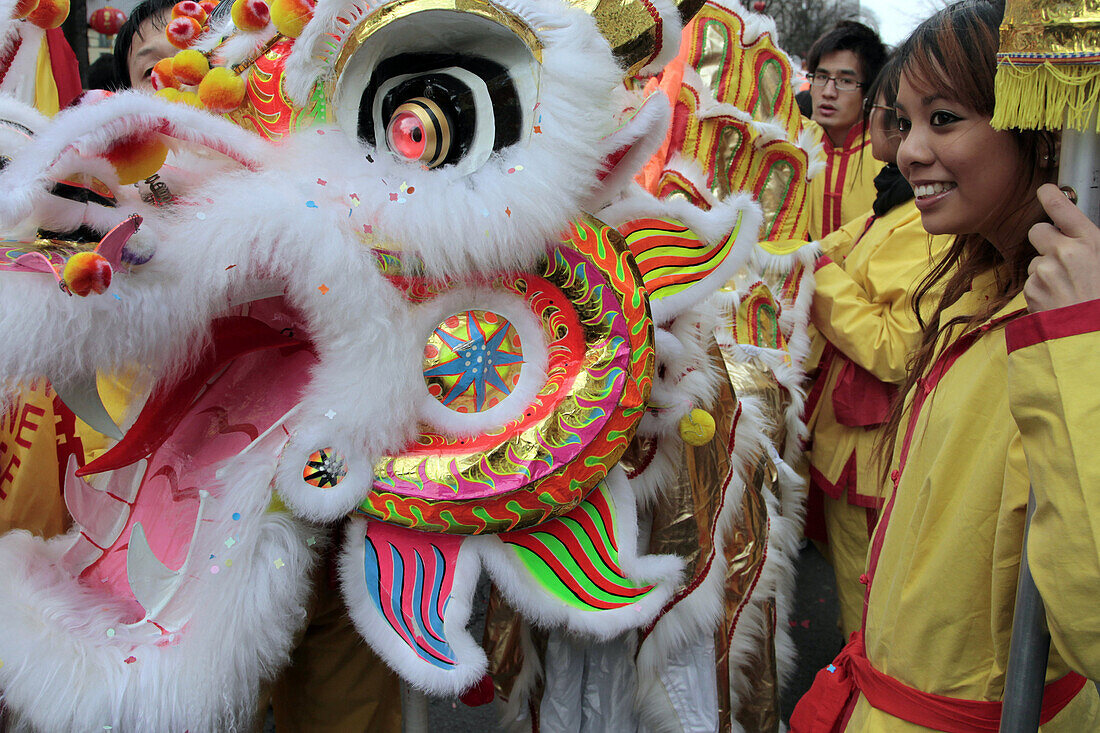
[
  {"x": 409, "y": 580},
  {"x": 591, "y": 301},
  {"x": 575, "y": 558},
  {"x": 473, "y": 360},
  {"x": 670, "y": 256}
]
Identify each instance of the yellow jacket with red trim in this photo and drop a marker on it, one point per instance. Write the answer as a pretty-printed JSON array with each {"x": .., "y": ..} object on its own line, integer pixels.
[
  {"x": 863, "y": 307},
  {"x": 1056, "y": 405},
  {"x": 846, "y": 186},
  {"x": 940, "y": 605}
]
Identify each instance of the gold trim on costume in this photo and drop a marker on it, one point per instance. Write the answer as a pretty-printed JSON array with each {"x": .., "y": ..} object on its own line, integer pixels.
[{"x": 390, "y": 12}]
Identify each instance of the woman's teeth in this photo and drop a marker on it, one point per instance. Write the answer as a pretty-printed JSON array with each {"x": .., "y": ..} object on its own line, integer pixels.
[{"x": 931, "y": 189}]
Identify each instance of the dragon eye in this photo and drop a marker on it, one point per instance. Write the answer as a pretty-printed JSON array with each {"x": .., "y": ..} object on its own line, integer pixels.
[
  {"x": 418, "y": 130},
  {"x": 439, "y": 88}
]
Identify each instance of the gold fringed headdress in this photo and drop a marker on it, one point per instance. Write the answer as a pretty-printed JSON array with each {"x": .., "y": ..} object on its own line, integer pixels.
[{"x": 1048, "y": 65}]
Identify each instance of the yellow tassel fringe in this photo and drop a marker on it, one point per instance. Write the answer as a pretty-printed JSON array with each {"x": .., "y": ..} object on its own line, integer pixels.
[{"x": 1047, "y": 97}]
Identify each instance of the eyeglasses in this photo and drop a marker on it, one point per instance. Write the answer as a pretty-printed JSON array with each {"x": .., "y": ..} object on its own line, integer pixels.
[
  {"x": 889, "y": 124},
  {"x": 843, "y": 83}
]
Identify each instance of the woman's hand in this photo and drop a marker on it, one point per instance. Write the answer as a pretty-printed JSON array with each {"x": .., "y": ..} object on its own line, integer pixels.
[{"x": 1067, "y": 270}]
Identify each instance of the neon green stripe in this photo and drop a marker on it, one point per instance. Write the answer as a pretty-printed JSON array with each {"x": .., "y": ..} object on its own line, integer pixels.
[
  {"x": 572, "y": 567},
  {"x": 593, "y": 553},
  {"x": 605, "y": 533},
  {"x": 551, "y": 582},
  {"x": 546, "y": 578}
]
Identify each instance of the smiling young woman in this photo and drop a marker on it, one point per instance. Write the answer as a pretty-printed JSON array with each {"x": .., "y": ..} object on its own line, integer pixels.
[{"x": 997, "y": 398}]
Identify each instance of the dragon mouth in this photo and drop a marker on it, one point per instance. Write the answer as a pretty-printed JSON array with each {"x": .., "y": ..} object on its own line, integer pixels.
[{"x": 140, "y": 536}]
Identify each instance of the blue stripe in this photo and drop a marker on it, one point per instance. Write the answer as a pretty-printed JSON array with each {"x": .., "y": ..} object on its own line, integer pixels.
[
  {"x": 439, "y": 645},
  {"x": 371, "y": 572}
]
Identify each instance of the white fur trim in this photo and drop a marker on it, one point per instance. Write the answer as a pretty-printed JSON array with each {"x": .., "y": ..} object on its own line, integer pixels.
[
  {"x": 322, "y": 504},
  {"x": 19, "y": 81},
  {"x": 670, "y": 29},
  {"x": 643, "y": 133},
  {"x": 86, "y": 131},
  {"x": 697, "y": 612},
  {"x": 65, "y": 647}
]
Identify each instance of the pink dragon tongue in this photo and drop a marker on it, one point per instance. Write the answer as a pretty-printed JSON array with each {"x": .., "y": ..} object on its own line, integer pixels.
[
  {"x": 233, "y": 338},
  {"x": 248, "y": 381}
]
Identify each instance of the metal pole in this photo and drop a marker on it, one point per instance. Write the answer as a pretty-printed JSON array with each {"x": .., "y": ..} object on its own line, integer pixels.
[
  {"x": 1080, "y": 170},
  {"x": 1027, "y": 654},
  {"x": 414, "y": 710}
]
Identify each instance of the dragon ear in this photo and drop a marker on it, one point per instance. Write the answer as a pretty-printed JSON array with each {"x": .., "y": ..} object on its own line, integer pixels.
[
  {"x": 634, "y": 142},
  {"x": 93, "y": 152}
]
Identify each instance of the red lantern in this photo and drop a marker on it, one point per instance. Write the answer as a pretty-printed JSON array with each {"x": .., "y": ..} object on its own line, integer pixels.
[{"x": 107, "y": 21}]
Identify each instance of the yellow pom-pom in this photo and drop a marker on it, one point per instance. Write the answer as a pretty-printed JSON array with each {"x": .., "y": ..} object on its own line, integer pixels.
[
  {"x": 189, "y": 67},
  {"x": 290, "y": 16},
  {"x": 250, "y": 15},
  {"x": 137, "y": 158},
  {"x": 168, "y": 94},
  {"x": 697, "y": 427},
  {"x": 190, "y": 98},
  {"x": 221, "y": 90}
]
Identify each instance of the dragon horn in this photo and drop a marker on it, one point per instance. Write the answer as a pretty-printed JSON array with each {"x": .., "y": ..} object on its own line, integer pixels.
[{"x": 636, "y": 29}]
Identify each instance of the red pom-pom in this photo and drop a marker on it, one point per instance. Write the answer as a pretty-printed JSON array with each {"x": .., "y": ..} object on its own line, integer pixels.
[
  {"x": 86, "y": 273},
  {"x": 480, "y": 694},
  {"x": 189, "y": 9},
  {"x": 49, "y": 13},
  {"x": 182, "y": 32},
  {"x": 759, "y": 6}
]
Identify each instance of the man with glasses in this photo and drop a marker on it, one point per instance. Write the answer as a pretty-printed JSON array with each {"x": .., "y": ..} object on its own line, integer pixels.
[{"x": 842, "y": 64}]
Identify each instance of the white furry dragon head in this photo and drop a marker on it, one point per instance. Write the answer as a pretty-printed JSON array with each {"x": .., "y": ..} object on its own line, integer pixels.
[{"x": 389, "y": 284}]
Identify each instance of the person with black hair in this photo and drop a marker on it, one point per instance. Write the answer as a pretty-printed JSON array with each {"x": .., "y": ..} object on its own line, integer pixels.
[
  {"x": 141, "y": 42},
  {"x": 842, "y": 64},
  {"x": 863, "y": 313}
]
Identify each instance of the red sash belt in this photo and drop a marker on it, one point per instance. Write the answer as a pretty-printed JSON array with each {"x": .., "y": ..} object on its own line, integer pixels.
[{"x": 828, "y": 705}]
